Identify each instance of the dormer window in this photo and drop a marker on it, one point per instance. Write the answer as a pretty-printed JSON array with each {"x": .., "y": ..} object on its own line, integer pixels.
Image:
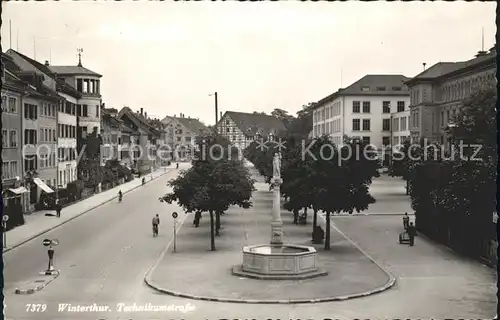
[
  {"x": 396, "y": 88},
  {"x": 380, "y": 88},
  {"x": 365, "y": 89}
]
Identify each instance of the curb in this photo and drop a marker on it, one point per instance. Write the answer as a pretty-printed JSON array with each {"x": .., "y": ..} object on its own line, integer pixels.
[
  {"x": 390, "y": 283},
  {"x": 78, "y": 215},
  {"x": 392, "y": 280},
  {"x": 37, "y": 288}
]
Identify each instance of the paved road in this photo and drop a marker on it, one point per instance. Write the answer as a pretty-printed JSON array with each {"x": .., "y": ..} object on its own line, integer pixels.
[{"x": 104, "y": 255}]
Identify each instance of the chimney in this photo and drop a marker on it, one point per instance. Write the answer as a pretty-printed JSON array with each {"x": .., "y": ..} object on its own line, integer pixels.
[
  {"x": 145, "y": 115},
  {"x": 174, "y": 115},
  {"x": 47, "y": 63},
  {"x": 220, "y": 115},
  {"x": 142, "y": 111}
]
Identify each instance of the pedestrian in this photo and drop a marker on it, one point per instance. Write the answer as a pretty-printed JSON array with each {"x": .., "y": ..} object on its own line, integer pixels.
[
  {"x": 58, "y": 208},
  {"x": 406, "y": 221},
  {"x": 411, "y": 233}
]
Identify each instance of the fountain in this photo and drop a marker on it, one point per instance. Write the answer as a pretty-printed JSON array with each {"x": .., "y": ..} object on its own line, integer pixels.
[{"x": 278, "y": 261}]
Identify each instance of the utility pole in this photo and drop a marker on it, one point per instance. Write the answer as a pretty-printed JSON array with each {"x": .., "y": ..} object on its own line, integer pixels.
[{"x": 216, "y": 110}]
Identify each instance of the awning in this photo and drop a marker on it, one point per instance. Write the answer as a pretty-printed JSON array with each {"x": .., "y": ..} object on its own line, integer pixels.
[
  {"x": 42, "y": 185},
  {"x": 19, "y": 190}
]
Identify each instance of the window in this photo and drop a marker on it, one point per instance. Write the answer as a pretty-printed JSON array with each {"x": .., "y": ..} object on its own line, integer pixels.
[
  {"x": 395, "y": 125},
  {"x": 366, "y": 106},
  {"x": 403, "y": 123},
  {"x": 386, "y": 107},
  {"x": 85, "y": 111},
  {"x": 327, "y": 113},
  {"x": 13, "y": 169},
  {"x": 356, "y": 125},
  {"x": 386, "y": 141},
  {"x": 12, "y": 105},
  {"x": 366, "y": 124},
  {"x": 178, "y": 138},
  {"x": 380, "y": 88},
  {"x": 365, "y": 89},
  {"x": 5, "y": 170},
  {"x": 30, "y": 111},
  {"x": 356, "y": 107},
  {"x": 227, "y": 122},
  {"x": 5, "y": 138},
  {"x": 5, "y": 107},
  {"x": 13, "y": 138},
  {"x": 386, "y": 124},
  {"x": 395, "y": 141},
  {"x": 29, "y": 136},
  {"x": 396, "y": 88},
  {"x": 366, "y": 140},
  {"x": 401, "y": 106},
  {"x": 30, "y": 164}
]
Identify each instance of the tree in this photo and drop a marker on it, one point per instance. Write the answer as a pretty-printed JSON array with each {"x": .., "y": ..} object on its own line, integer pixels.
[
  {"x": 283, "y": 116},
  {"x": 401, "y": 162},
  {"x": 216, "y": 181}
]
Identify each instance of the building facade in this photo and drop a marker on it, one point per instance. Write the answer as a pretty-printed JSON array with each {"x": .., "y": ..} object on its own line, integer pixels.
[
  {"x": 438, "y": 93},
  {"x": 241, "y": 129},
  {"x": 13, "y": 193},
  {"x": 180, "y": 135},
  {"x": 365, "y": 110}
]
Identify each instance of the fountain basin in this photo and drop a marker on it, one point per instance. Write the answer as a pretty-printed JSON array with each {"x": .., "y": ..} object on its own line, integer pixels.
[{"x": 287, "y": 261}]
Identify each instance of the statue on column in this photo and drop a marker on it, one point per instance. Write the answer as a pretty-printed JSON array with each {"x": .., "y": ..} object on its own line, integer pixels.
[{"x": 276, "y": 166}]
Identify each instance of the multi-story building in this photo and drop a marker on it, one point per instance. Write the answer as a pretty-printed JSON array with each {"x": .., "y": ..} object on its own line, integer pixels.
[
  {"x": 365, "y": 110},
  {"x": 147, "y": 139},
  {"x": 40, "y": 119},
  {"x": 181, "y": 134},
  {"x": 242, "y": 128},
  {"x": 88, "y": 84},
  {"x": 438, "y": 93},
  {"x": 13, "y": 90},
  {"x": 111, "y": 133}
]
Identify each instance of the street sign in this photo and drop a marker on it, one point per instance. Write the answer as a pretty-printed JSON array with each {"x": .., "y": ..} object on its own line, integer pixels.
[
  {"x": 5, "y": 218},
  {"x": 174, "y": 215},
  {"x": 47, "y": 242}
]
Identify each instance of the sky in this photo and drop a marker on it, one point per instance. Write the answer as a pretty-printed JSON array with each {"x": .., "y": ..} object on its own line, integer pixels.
[{"x": 167, "y": 57}]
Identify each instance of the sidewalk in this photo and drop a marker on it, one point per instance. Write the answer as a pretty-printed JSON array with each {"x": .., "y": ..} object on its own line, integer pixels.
[
  {"x": 37, "y": 223},
  {"x": 197, "y": 273}
]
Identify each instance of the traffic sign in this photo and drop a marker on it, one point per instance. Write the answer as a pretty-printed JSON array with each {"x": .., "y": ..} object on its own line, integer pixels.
[
  {"x": 5, "y": 218},
  {"x": 174, "y": 215},
  {"x": 47, "y": 242}
]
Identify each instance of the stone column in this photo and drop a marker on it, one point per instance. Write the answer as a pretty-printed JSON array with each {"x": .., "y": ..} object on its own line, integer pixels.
[{"x": 276, "y": 223}]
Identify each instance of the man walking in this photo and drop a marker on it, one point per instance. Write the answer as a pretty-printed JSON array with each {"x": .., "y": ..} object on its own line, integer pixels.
[
  {"x": 411, "y": 233},
  {"x": 58, "y": 208},
  {"x": 156, "y": 222}
]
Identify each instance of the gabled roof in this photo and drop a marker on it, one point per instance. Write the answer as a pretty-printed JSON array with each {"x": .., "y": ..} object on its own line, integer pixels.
[
  {"x": 193, "y": 125},
  {"x": 9, "y": 63},
  {"x": 73, "y": 70},
  {"x": 393, "y": 85},
  {"x": 251, "y": 124},
  {"x": 447, "y": 69},
  {"x": 40, "y": 66},
  {"x": 135, "y": 119}
]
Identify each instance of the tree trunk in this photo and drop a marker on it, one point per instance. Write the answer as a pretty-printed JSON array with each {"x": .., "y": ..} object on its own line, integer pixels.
[
  {"x": 217, "y": 223},
  {"x": 212, "y": 235},
  {"x": 197, "y": 217},
  {"x": 305, "y": 214},
  {"x": 407, "y": 187},
  {"x": 295, "y": 216},
  {"x": 327, "y": 232},
  {"x": 315, "y": 218}
]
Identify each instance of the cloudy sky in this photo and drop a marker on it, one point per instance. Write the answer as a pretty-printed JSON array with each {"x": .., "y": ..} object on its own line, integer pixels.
[{"x": 166, "y": 57}]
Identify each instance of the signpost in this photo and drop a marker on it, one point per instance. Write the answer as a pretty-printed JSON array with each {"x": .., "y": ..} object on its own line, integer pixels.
[
  {"x": 174, "y": 215},
  {"x": 50, "y": 252},
  {"x": 4, "y": 225}
]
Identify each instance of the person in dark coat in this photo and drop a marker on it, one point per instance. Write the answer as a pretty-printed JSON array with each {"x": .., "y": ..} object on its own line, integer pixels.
[
  {"x": 412, "y": 231},
  {"x": 58, "y": 208}
]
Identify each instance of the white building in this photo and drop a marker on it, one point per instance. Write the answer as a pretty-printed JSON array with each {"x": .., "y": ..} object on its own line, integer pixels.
[
  {"x": 365, "y": 110},
  {"x": 88, "y": 84}
]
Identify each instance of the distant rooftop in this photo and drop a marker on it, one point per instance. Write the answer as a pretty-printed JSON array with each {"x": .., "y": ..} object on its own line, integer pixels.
[{"x": 73, "y": 70}]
